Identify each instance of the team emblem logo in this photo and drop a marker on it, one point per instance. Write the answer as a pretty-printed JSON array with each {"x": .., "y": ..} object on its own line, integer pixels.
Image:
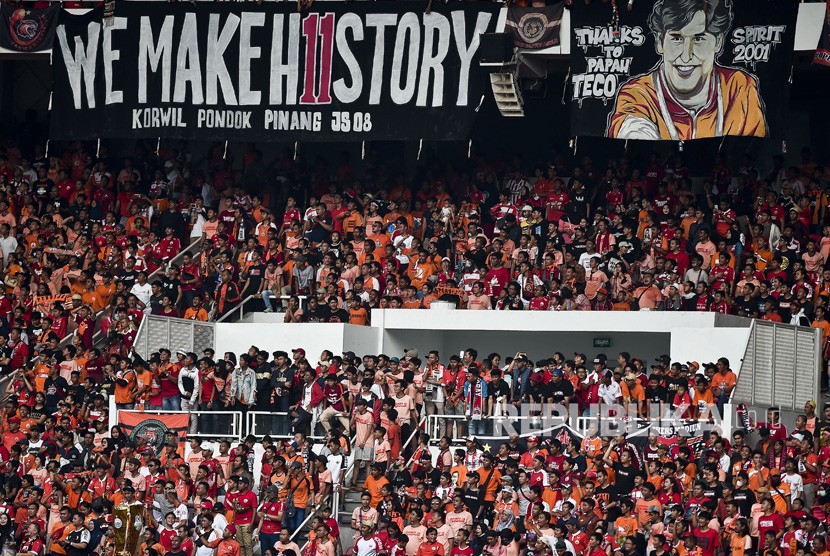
[{"x": 28, "y": 29}]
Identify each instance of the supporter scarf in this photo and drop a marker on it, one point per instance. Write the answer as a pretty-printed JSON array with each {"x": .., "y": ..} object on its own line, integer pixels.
[{"x": 475, "y": 400}]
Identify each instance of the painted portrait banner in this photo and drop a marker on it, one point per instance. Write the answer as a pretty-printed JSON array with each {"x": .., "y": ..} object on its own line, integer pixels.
[{"x": 681, "y": 69}]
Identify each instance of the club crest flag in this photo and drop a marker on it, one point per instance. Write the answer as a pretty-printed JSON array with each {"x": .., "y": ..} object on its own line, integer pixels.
[
  {"x": 28, "y": 30},
  {"x": 535, "y": 28},
  {"x": 153, "y": 427},
  {"x": 681, "y": 69}
]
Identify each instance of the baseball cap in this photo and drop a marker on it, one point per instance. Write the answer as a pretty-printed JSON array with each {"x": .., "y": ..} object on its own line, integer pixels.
[
  {"x": 557, "y": 372},
  {"x": 301, "y": 351},
  {"x": 534, "y": 439},
  {"x": 231, "y": 529},
  {"x": 394, "y": 360},
  {"x": 597, "y": 360},
  {"x": 207, "y": 505}
]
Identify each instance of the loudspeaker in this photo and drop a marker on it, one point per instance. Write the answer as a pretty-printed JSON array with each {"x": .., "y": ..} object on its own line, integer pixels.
[{"x": 496, "y": 48}]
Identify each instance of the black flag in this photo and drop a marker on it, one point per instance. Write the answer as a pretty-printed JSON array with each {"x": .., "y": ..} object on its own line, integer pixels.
[
  {"x": 28, "y": 30},
  {"x": 535, "y": 27}
]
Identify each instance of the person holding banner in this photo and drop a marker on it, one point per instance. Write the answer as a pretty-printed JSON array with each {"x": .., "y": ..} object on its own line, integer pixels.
[{"x": 688, "y": 95}]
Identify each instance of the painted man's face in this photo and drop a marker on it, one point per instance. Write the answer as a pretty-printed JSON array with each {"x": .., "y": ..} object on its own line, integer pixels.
[{"x": 689, "y": 57}]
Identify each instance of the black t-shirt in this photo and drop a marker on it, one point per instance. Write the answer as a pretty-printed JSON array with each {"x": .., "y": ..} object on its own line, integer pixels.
[
  {"x": 538, "y": 392},
  {"x": 54, "y": 390},
  {"x": 624, "y": 477},
  {"x": 671, "y": 387},
  {"x": 255, "y": 274},
  {"x": 472, "y": 499},
  {"x": 76, "y": 391},
  {"x": 744, "y": 498},
  {"x": 5, "y": 353},
  {"x": 340, "y": 315},
  {"x": 713, "y": 492},
  {"x": 128, "y": 278},
  {"x": 170, "y": 288},
  {"x": 558, "y": 392},
  {"x": 10, "y": 483},
  {"x": 656, "y": 395},
  {"x": 318, "y": 314},
  {"x": 500, "y": 389}
]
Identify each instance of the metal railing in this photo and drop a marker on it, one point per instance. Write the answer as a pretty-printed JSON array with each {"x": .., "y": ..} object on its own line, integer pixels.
[
  {"x": 579, "y": 424},
  {"x": 241, "y": 308}
]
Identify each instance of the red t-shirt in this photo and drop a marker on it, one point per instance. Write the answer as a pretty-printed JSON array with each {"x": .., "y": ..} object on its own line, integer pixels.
[
  {"x": 708, "y": 541},
  {"x": 771, "y": 522},
  {"x": 273, "y": 509},
  {"x": 247, "y": 502}
]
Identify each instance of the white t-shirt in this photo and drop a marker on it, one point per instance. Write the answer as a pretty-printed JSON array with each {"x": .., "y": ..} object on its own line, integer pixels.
[
  {"x": 143, "y": 293},
  {"x": 206, "y": 550}
]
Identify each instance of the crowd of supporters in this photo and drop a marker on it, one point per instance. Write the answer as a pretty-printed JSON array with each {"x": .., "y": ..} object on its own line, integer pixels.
[
  {"x": 66, "y": 465},
  {"x": 95, "y": 242}
]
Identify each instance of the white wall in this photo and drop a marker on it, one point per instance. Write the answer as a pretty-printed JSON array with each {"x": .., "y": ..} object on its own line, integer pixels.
[
  {"x": 313, "y": 338},
  {"x": 537, "y": 344},
  {"x": 684, "y": 336},
  {"x": 533, "y": 321},
  {"x": 703, "y": 346}
]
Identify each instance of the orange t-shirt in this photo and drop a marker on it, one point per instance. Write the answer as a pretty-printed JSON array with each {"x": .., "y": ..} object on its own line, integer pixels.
[{"x": 359, "y": 316}]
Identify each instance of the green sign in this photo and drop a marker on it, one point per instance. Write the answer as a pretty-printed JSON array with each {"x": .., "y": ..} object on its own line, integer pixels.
[{"x": 602, "y": 342}]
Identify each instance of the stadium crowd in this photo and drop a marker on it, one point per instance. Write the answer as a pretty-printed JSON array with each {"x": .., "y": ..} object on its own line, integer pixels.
[
  {"x": 95, "y": 243},
  {"x": 66, "y": 465}
]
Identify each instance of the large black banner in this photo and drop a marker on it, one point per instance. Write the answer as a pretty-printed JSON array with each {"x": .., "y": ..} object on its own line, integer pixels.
[
  {"x": 681, "y": 69},
  {"x": 346, "y": 71},
  {"x": 27, "y": 29}
]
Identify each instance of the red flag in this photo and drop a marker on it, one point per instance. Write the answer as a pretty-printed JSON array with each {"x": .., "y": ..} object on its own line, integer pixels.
[{"x": 822, "y": 55}]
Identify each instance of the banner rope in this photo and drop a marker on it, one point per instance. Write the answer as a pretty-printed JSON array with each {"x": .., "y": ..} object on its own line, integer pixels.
[
  {"x": 363, "y": 150},
  {"x": 98, "y": 149},
  {"x": 225, "y": 152},
  {"x": 469, "y": 148},
  {"x": 420, "y": 146},
  {"x": 296, "y": 149},
  {"x": 480, "y": 102},
  {"x": 565, "y": 85},
  {"x": 158, "y": 146},
  {"x": 46, "y": 150},
  {"x": 109, "y": 13}
]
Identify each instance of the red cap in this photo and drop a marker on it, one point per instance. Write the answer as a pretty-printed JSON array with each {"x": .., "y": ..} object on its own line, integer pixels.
[
  {"x": 533, "y": 439},
  {"x": 231, "y": 529},
  {"x": 14, "y": 420},
  {"x": 301, "y": 351}
]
